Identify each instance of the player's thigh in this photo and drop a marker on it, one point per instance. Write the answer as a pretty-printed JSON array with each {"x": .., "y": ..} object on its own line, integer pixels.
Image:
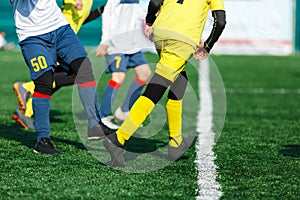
[
  {"x": 173, "y": 56},
  {"x": 136, "y": 59},
  {"x": 69, "y": 47},
  {"x": 143, "y": 72},
  {"x": 39, "y": 55},
  {"x": 140, "y": 65}
]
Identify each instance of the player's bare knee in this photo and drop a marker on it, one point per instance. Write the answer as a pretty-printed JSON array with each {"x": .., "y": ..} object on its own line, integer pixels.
[
  {"x": 118, "y": 77},
  {"x": 143, "y": 72}
]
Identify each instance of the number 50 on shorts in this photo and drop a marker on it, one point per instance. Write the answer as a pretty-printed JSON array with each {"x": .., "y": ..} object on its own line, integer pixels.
[{"x": 38, "y": 63}]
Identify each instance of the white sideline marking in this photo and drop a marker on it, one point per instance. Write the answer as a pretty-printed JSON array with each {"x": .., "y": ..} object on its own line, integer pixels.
[{"x": 208, "y": 187}]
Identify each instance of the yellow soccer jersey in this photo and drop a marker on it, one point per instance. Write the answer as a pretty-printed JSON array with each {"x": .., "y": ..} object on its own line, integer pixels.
[
  {"x": 184, "y": 20},
  {"x": 76, "y": 17}
]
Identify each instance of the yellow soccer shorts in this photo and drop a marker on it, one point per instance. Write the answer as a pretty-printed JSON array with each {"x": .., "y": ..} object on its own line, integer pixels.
[{"x": 173, "y": 56}]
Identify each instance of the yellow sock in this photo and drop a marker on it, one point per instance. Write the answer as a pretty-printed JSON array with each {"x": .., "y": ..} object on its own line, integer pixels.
[
  {"x": 29, "y": 110},
  {"x": 29, "y": 86},
  {"x": 174, "y": 113},
  {"x": 137, "y": 115}
]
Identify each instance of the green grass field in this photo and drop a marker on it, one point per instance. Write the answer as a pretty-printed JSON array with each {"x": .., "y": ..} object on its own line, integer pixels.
[{"x": 258, "y": 152}]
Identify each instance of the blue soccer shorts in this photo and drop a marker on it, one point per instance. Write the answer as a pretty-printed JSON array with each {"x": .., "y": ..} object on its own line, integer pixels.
[
  {"x": 120, "y": 62},
  {"x": 42, "y": 52}
]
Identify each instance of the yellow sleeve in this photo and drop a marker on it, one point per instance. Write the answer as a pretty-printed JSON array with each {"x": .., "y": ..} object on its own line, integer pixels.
[
  {"x": 216, "y": 5},
  {"x": 70, "y": 1}
]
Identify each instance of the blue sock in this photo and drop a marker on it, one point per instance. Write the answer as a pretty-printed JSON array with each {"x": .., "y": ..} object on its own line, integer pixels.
[
  {"x": 87, "y": 96},
  {"x": 133, "y": 93},
  {"x": 108, "y": 97},
  {"x": 97, "y": 106},
  {"x": 41, "y": 109}
]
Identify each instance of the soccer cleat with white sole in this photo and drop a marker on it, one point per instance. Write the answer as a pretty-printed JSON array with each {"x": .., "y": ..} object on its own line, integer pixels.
[
  {"x": 45, "y": 146},
  {"x": 95, "y": 133},
  {"x": 107, "y": 121}
]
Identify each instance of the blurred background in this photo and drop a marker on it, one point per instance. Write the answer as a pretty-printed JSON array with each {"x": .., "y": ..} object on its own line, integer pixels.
[
  {"x": 253, "y": 27},
  {"x": 89, "y": 34},
  {"x": 260, "y": 27}
]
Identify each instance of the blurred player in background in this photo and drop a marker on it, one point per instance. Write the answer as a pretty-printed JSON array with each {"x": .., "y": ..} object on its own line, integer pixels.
[
  {"x": 45, "y": 38},
  {"x": 4, "y": 45},
  {"x": 177, "y": 27},
  {"x": 121, "y": 48},
  {"x": 77, "y": 12}
]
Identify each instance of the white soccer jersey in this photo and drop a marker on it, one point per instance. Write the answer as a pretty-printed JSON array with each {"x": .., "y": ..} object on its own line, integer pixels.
[
  {"x": 2, "y": 41},
  {"x": 121, "y": 26},
  {"x": 36, "y": 17}
]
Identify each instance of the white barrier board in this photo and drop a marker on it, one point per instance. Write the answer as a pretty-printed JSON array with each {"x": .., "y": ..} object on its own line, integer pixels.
[{"x": 256, "y": 27}]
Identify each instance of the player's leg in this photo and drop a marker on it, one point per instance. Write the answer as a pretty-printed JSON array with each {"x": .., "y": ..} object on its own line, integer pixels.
[
  {"x": 61, "y": 80},
  {"x": 167, "y": 70},
  {"x": 110, "y": 92},
  {"x": 177, "y": 144},
  {"x": 174, "y": 108},
  {"x": 140, "y": 110},
  {"x": 143, "y": 106},
  {"x": 24, "y": 113},
  {"x": 143, "y": 73},
  {"x": 19, "y": 116},
  {"x": 116, "y": 65},
  {"x": 86, "y": 84},
  {"x": 29, "y": 86},
  {"x": 41, "y": 104},
  {"x": 41, "y": 59},
  {"x": 23, "y": 91},
  {"x": 108, "y": 98}
]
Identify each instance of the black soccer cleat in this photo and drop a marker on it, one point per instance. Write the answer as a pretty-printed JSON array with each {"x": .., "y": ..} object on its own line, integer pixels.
[
  {"x": 45, "y": 146},
  {"x": 176, "y": 152},
  {"x": 107, "y": 131},
  {"x": 115, "y": 149},
  {"x": 95, "y": 133}
]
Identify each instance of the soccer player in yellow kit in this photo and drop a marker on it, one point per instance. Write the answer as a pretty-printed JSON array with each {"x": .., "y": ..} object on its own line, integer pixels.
[
  {"x": 177, "y": 26},
  {"x": 77, "y": 13}
]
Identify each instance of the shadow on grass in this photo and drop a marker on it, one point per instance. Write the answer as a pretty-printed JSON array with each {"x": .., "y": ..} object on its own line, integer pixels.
[
  {"x": 138, "y": 146},
  {"x": 13, "y": 131},
  {"x": 292, "y": 150},
  {"x": 54, "y": 116},
  {"x": 135, "y": 146}
]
